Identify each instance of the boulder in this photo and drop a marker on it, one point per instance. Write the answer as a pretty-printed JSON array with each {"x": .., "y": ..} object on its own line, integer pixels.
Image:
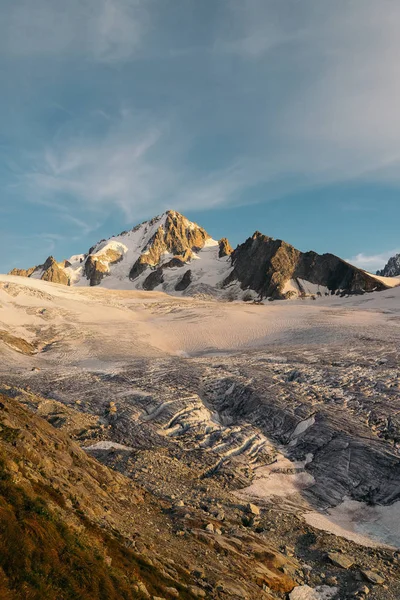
[
  {"x": 373, "y": 577},
  {"x": 341, "y": 560}
]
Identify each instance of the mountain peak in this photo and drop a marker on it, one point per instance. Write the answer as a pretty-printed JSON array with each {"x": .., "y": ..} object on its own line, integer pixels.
[
  {"x": 392, "y": 267},
  {"x": 171, "y": 253}
]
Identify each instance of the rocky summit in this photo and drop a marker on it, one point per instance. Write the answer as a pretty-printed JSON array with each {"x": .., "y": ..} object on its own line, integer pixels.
[
  {"x": 170, "y": 253},
  {"x": 392, "y": 267}
]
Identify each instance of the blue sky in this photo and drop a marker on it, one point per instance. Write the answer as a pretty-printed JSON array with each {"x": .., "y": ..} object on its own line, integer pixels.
[{"x": 276, "y": 115}]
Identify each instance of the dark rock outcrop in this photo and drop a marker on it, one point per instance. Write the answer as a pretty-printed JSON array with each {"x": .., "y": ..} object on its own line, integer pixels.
[
  {"x": 153, "y": 280},
  {"x": 176, "y": 261},
  {"x": 98, "y": 266},
  {"x": 266, "y": 265},
  {"x": 184, "y": 282}
]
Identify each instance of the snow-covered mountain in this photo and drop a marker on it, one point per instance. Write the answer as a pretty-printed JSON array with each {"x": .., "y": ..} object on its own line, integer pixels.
[
  {"x": 172, "y": 254},
  {"x": 168, "y": 252},
  {"x": 392, "y": 268}
]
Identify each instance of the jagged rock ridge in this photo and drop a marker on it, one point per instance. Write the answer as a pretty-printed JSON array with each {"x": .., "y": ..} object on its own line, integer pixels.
[
  {"x": 51, "y": 271},
  {"x": 275, "y": 269},
  {"x": 172, "y": 254},
  {"x": 392, "y": 267}
]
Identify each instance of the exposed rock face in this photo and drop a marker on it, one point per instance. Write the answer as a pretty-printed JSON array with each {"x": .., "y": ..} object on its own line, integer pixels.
[
  {"x": 225, "y": 249},
  {"x": 184, "y": 282},
  {"x": 266, "y": 265},
  {"x": 177, "y": 236},
  {"x": 97, "y": 267},
  {"x": 153, "y": 280},
  {"x": 23, "y": 272},
  {"x": 152, "y": 254},
  {"x": 51, "y": 271},
  {"x": 392, "y": 268},
  {"x": 54, "y": 273}
]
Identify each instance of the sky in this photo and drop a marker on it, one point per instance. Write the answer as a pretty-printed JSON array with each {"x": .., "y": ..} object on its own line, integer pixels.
[{"x": 274, "y": 115}]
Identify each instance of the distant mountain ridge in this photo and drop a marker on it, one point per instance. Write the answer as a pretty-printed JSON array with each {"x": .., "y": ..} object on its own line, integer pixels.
[
  {"x": 172, "y": 254},
  {"x": 392, "y": 267}
]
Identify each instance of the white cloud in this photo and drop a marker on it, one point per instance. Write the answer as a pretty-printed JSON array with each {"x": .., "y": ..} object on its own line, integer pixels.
[
  {"x": 372, "y": 262},
  {"x": 132, "y": 165}
]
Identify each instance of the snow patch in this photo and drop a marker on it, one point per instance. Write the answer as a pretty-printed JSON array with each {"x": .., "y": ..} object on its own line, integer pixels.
[
  {"x": 367, "y": 525},
  {"x": 108, "y": 445},
  {"x": 303, "y": 426},
  {"x": 305, "y": 592}
]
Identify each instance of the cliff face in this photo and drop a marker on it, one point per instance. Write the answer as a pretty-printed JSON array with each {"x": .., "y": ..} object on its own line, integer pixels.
[
  {"x": 392, "y": 267},
  {"x": 176, "y": 236},
  {"x": 263, "y": 265},
  {"x": 51, "y": 271},
  {"x": 267, "y": 266},
  {"x": 54, "y": 273},
  {"x": 23, "y": 272},
  {"x": 225, "y": 249},
  {"x": 334, "y": 273},
  {"x": 97, "y": 267}
]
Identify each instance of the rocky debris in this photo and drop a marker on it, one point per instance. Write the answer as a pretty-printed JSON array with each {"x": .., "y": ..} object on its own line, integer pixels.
[
  {"x": 253, "y": 509},
  {"x": 266, "y": 265},
  {"x": 172, "y": 592},
  {"x": 196, "y": 591},
  {"x": 111, "y": 408},
  {"x": 341, "y": 560},
  {"x": 373, "y": 577},
  {"x": 363, "y": 591},
  {"x": 112, "y": 503}
]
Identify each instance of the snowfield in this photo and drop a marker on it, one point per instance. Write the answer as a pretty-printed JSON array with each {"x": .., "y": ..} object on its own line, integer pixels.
[{"x": 137, "y": 323}]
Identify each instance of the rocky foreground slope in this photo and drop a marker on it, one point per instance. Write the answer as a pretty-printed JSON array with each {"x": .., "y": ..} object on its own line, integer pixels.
[
  {"x": 72, "y": 528},
  {"x": 172, "y": 254}
]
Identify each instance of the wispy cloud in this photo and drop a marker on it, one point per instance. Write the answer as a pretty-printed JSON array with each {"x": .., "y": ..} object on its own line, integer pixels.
[
  {"x": 335, "y": 66},
  {"x": 238, "y": 101},
  {"x": 132, "y": 165},
  {"x": 372, "y": 262},
  {"x": 102, "y": 30}
]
